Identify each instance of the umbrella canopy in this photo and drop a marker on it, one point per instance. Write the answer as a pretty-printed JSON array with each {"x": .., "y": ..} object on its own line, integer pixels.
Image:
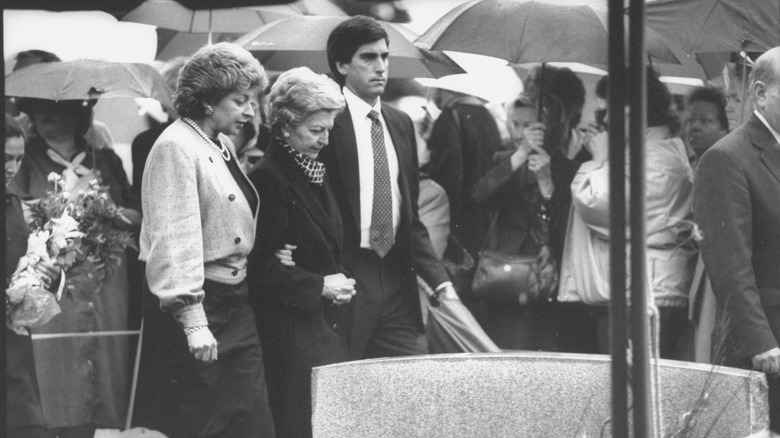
[
  {"x": 301, "y": 41},
  {"x": 701, "y": 26},
  {"x": 523, "y": 31},
  {"x": 170, "y": 14},
  {"x": 87, "y": 79},
  {"x": 181, "y": 31}
]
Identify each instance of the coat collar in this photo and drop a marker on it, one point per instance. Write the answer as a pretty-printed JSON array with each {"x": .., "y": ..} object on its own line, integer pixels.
[
  {"x": 328, "y": 223},
  {"x": 762, "y": 139}
]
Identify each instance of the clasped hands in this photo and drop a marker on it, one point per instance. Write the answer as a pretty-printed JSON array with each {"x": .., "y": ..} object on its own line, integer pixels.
[{"x": 336, "y": 288}]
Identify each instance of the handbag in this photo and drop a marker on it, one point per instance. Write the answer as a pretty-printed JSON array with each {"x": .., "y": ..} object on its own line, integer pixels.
[
  {"x": 459, "y": 266},
  {"x": 517, "y": 278}
]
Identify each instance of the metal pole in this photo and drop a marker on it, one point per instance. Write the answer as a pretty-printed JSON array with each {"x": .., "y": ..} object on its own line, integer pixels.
[
  {"x": 640, "y": 322},
  {"x": 616, "y": 94}
]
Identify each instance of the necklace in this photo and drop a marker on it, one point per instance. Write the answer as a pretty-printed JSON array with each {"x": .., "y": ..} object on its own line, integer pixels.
[{"x": 223, "y": 150}]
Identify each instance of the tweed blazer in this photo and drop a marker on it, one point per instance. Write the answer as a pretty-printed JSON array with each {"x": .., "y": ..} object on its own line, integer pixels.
[{"x": 197, "y": 224}]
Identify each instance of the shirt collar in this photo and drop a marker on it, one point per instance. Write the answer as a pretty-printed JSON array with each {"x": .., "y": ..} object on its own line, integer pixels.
[
  {"x": 775, "y": 134},
  {"x": 359, "y": 106}
]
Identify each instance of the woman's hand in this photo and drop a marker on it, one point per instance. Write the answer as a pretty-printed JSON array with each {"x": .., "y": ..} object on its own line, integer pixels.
[
  {"x": 598, "y": 146},
  {"x": 532, "y": 139},
  {"x": 49, "y": 272},
  {"x": 285, "y": 255},
  {"x": 533, "y": 135},
  {"x": 338, "y": 288},
  {"x": 539, "y": 164},
  {"x": 203, "y": 345}
]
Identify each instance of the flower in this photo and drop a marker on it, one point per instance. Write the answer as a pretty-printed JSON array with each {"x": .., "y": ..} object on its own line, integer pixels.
[{"x": 76, "y": 229}]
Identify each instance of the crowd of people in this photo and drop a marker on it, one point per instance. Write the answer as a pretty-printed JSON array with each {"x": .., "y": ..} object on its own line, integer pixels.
[{"x": 279, "y": 230}]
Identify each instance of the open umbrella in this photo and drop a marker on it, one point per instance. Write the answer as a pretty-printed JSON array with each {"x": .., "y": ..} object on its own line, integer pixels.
[
  {"x": 170, "y": 14},
  {"x": 533, "y": 31},
  {"x": 700, "y": 26},
  {"x": 301, "y": 41},
  {"x": 87, "y": 79}
]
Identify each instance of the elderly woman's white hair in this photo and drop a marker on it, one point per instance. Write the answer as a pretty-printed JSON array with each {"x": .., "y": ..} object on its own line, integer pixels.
[{"x": 299, "y": 93}]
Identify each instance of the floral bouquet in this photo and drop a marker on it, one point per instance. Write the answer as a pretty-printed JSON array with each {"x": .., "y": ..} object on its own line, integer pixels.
[{"x": 75, "y": 225}]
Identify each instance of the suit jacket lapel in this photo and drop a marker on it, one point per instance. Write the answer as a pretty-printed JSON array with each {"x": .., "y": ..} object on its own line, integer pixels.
[
  {"x": 345, "y": 148},
  {"x": 300, "y": 186},
  {"x": 770, "y": 149}
]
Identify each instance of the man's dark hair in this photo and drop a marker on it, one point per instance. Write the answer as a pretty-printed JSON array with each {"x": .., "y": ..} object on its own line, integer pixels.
[
  {"x": 347, "y": 38},
  {"x": 714, "y": 96}
]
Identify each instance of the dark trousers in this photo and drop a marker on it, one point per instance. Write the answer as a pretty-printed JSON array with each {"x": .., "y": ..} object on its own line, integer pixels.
[{"x": 385, "y": 319}]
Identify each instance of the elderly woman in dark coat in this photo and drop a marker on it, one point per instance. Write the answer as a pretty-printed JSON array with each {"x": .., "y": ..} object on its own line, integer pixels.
[
  {"x": 201, "y": 372},
  {"x": 297, "y": 305}
]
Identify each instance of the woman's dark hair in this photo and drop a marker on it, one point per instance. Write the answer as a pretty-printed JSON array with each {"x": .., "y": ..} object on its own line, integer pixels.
[
  {"x": 601, "y": 87},
  {"x": 79, "y": 110},
  {"x": 347, "y": 38},
  {"x": 714, "y": 96},
  {"x": 12, "y": 127},
  {"x": 212, "y": 73},
  {"x": 562, "y": 98},
  {"x": 659, "y": 104}
]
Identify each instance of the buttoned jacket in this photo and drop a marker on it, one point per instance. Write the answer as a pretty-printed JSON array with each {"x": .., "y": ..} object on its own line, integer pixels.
[{"x": 197, "y": 223}]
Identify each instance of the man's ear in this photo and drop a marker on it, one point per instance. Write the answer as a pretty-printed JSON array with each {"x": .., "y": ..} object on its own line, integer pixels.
[
  {"x": 342, "y": 68},
  {"x": 758, "y": 92}
]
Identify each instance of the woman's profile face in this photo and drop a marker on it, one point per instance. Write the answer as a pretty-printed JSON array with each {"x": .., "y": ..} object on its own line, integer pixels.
[
  {"x": 233, "y": 111},
  {"x": 311, "y": 135}
]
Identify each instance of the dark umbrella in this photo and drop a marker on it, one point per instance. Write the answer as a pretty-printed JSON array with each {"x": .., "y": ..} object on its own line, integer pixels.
[{"x": 451, "y": 328}]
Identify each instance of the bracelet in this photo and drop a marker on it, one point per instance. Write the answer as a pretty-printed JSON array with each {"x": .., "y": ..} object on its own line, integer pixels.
[{"x": 190, "y": 330}]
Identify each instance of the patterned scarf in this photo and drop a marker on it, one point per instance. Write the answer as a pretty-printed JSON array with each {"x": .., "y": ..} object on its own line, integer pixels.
[{"x": 313, "y": 169}]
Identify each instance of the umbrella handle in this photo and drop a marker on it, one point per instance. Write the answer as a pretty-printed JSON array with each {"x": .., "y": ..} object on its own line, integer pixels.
[{"x": 541, "y": 94}]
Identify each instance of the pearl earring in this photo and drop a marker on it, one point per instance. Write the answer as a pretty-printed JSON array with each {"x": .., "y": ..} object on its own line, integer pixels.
[
  {"x": 209, "y": 110},
  {"x": 286, "y": 134}
]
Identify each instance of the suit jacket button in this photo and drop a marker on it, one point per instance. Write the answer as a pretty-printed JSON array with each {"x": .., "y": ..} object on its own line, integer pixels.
[
  {"x": 232, "y": 197},
  {"x": 238, "y": 240}
]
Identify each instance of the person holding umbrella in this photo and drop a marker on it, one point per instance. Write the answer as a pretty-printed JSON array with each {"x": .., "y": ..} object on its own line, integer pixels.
[
  {"x": 372, "y": 164},
  {"x": 79, "y": 373},
  {"x": 201, "y": 369}
]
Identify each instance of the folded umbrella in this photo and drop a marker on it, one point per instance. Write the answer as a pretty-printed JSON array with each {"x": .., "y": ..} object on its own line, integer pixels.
[{"x": 451, "y": 328}]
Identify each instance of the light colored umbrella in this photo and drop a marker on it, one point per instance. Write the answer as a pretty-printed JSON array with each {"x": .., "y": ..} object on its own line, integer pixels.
[
  {"x": 701, "y": 26},
  {"x": 170, "y": 14},
  {"x": 521, "y": 31},
  {"x": 87, "y": 79},
  {"x": 301, "y": 41}
]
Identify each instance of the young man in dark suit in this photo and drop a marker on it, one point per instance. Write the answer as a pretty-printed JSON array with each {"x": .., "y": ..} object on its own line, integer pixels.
[
  {"x": 373, "y": 170},
  {"x": 736, "y": 193}
]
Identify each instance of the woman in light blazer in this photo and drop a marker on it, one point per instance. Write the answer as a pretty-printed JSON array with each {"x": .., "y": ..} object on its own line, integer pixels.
[{"x": 201, "y": 371}]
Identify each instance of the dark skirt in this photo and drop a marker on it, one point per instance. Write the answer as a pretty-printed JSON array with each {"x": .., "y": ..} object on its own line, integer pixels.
[{"x": 184, "y": 397}]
